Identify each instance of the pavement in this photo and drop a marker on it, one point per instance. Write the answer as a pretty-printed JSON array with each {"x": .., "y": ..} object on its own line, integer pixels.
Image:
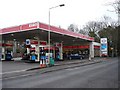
[
  {"x": 70, "y": 62},
  {"x": 17, "y": 68},
  {"x": 19, "y": 65}
]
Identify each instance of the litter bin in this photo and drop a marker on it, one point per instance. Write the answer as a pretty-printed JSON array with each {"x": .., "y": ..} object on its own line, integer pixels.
[{"x": 52, "y": 61}]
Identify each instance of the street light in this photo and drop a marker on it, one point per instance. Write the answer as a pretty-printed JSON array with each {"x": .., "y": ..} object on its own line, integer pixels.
[{"x": 61, "y": 5}]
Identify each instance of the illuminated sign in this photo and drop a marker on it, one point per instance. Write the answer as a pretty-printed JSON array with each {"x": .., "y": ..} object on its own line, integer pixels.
[
  {"x": 32, "y": 24},
  {"x": 27, "y": 41},
  {"x": 104, "y": 46}
]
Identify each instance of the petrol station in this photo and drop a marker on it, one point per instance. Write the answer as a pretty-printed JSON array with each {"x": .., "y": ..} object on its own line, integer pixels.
[{"x": 34, "y": 37}]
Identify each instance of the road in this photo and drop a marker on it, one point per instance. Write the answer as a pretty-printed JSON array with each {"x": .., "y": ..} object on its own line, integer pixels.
[{"x": 99, "y": 75}]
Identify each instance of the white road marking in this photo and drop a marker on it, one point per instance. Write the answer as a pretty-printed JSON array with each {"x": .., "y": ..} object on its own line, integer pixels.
[
  {"x": 16, "y": 71},
  {"x": 13, "y": 71},
  {"x": 72, "y": 68}
]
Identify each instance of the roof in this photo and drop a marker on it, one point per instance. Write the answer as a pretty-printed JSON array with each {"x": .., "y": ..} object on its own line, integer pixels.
[{"x": 43, "y": 26}]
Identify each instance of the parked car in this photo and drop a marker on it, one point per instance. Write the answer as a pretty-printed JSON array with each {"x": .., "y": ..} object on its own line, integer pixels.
[{"x": 75, "y": 56}]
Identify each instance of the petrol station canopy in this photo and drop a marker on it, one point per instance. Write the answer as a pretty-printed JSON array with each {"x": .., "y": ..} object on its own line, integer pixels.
[{"x": 40, "y": 30}]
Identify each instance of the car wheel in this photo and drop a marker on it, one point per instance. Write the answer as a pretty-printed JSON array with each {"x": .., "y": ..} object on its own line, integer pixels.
[{"x": 70, "y": 58}]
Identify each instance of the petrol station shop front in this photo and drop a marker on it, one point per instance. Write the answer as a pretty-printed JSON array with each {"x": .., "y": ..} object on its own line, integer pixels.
[{"x": 32, "y": 38}]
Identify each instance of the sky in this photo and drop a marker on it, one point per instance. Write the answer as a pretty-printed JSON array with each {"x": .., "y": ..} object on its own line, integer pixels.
[{"x": 79, "y": 12}]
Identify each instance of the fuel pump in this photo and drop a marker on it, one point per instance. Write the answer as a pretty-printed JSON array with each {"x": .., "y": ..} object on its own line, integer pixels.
[
  {"x": 8, "y": 55},
  {"x": 6, "y": 52},
  {"x": 42, "y": 57},
  {"x": 59, "y": 51},
  {"x": 33, "y": 55}
]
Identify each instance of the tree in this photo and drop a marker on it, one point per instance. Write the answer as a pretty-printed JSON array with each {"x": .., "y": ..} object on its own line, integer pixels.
[
  {"x": 92, "y": 28},
  {"x": 116, "y": 6},
  {"x": 73, "y": 28},
  {"x": 108, "y": 21},
  {"x": 83, "y": 31}
]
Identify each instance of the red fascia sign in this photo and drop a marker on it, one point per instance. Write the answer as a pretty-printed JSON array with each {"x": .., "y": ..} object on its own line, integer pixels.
[
  {"x": 43, "y": 43},
  {"x": 30, "y": 26},
  {"x": 19, "y": 28},
  {"x": 65, "y": 32},
  {"x": 37, "y": 25},
  {"x": 10, "y": 30},
  {"x": 76, "y": 47},
  {"x": 97, "y": 47},
  {"x": 5, "y": 45},
  {"x": 58, "y": 44},
  {"x": 84, "y": 47},
  {"x": 35, "y": 42},
  {"x": 80, "y": 47}
]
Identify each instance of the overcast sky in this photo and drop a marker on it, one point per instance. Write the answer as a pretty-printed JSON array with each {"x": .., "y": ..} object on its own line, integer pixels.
[{"x": 79, "y": 12}]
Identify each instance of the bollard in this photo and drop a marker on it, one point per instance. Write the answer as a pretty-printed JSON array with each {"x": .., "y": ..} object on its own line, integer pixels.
[{"x": 41, "y": 65}]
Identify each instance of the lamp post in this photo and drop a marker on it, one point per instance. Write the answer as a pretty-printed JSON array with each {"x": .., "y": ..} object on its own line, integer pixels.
[{"x": 49, "y": 29}]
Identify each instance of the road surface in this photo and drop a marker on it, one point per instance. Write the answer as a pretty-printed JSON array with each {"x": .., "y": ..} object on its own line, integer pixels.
[{"x": 99, "y": 75}]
